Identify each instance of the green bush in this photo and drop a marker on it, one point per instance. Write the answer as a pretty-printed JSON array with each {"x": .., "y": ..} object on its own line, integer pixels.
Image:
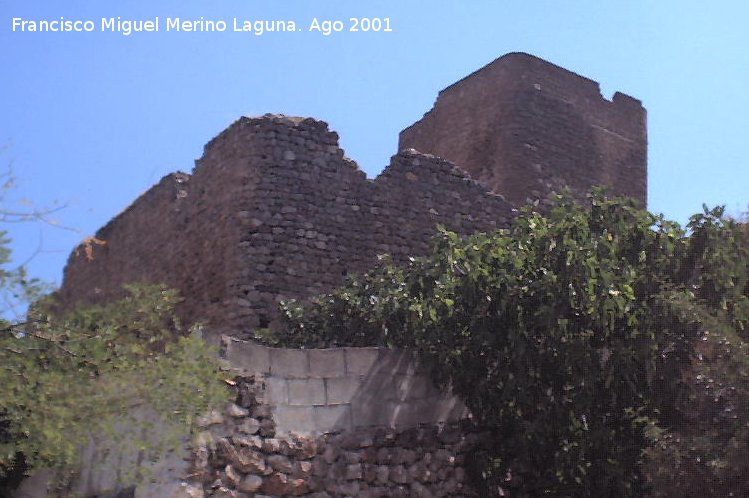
[
  {"x": 63, "y": 379},
  {"x": 706, "y": 454},
  {"x": 567, "y": 335}
]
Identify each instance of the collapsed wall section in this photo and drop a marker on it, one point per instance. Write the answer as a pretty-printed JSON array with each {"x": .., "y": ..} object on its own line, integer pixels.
[
  {"x": 526, "y": 128},
  {"x": 317, "y": 218},
  {"x": 181, "y": 232},
  {"x": 274, "y": 210},
  {"x": 418, "y": 191},
  {"x": 151, "y": 229}
]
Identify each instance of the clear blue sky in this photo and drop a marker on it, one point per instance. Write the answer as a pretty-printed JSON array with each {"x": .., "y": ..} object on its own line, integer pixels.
[{"x": 92, "y": 120}]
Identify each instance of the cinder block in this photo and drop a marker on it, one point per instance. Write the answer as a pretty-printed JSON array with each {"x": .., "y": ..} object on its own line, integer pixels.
[
  {"x": 359, "y": 361},
  {"x": 377, "y": 387},
  {"x": 413, "y": 387},
  {"x": 383, "y": 413},
  {"x": 395, "y": 361},
  {"x": 327, "y": 362},
  {"x": 328, "y": 418},
  {"x": 289, "y": 363},
  {"x": 306, "y": 392},
  {"x": 342, "y": 389},
  {"x": 276, "y": 391},
  {"x": 248, "y": 355},
  {"x": 299, "y": 419}
]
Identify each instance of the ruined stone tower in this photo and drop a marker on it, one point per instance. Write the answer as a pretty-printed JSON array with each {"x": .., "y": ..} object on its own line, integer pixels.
[
  {"x": 525, "y": 127},
  {"x": 273, "y": 210}
]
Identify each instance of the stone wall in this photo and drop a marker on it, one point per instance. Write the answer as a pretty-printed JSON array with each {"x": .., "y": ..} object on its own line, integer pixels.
[
  {"x": 321, "y": 423},
  {"x": 273, "y": 210},
  {"x": 525, "y": 128},
  {"x": 241, "y": 454}
]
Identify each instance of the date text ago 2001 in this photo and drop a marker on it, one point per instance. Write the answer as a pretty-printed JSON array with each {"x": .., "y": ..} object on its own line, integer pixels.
[{"x": 327, "y": 27}]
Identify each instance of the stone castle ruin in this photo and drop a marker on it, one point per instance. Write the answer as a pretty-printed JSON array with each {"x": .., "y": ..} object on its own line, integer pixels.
[{"x": 274, "y": 210}]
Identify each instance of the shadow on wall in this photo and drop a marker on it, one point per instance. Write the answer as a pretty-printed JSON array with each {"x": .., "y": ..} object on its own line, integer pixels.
[{"x": 315, "y": 391}]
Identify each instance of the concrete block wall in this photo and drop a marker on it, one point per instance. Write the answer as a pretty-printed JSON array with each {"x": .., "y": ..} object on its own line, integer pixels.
[
  {"x": 315, "y": 391},
  {"x": 341, "y": 421},
  {"x": 242, "y": 454}
]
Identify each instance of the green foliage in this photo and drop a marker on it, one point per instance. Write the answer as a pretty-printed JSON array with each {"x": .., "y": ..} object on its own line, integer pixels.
[
  {"x": 66, "y": 378},
  {"x": 17, "y": 289},
  {"x": 566, "y": 335},
  {"x": 707, "y": 451},
  {"x": 717, "y": 257}
]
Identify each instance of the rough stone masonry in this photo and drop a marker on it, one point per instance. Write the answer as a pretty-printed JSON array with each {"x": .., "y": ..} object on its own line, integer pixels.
[
  {"x": 274, "y": 210},
  {"x": 240, "y": 455}
]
